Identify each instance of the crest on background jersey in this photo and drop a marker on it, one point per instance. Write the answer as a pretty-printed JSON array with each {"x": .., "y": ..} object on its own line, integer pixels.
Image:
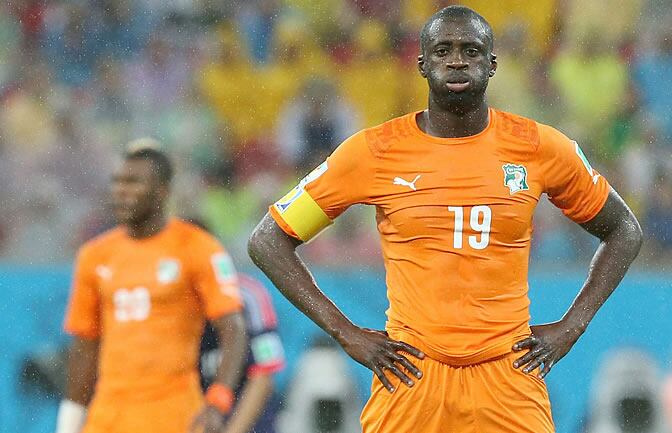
[
  {"x": 168, "y": 271},
  {"x": 515, "y": 177},
  {"x": 222, "y": 264}
]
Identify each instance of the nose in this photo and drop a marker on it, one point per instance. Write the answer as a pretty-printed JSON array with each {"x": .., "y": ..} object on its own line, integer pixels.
[{"x": 456, "y": 61}]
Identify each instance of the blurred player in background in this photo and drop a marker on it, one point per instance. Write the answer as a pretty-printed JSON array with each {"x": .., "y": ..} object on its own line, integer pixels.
[
  {"x": 139, "y": 300},
  {"x": 255, "y": 409},
  {"x": 455, "y": 188}
]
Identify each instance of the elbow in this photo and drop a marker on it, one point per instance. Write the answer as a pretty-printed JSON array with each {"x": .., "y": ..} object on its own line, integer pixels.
[
  {"x": 634, "y": 235},
  {"x": 639, "y": 237},
  {"x": 257, "y": 244}
]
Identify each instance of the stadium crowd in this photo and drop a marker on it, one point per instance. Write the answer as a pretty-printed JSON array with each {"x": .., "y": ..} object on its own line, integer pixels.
[{"x": 250, "y": 96}]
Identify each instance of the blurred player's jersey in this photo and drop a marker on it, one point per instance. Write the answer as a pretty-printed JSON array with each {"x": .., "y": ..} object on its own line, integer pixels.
[
  {"x": 455, "y": 221},
  {"x": 265, "y": 354},
  {"x": 147, "y": 301}
]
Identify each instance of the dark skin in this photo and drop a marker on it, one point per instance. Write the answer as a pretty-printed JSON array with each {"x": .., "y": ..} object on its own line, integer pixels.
[
  {"x": 139, "y": 200},
  {"x": 231, "y": 331},
  {"x": 274, "y": 252},
  {"x": 457, "y": 61},
  {"x": 620, "y": 240}
]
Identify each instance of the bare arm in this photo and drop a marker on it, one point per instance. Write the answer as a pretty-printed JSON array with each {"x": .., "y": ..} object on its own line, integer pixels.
[
  {"x": 274, "y": 252},
  {"x": 251, "y": 404},
  {"x": 621, "y": 238},
  {"x": 233, "y": 344},
  {"x": 82, "y": 370}
]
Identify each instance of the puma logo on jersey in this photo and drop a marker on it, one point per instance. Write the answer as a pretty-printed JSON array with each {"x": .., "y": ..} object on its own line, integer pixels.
[{"x": 402, "y": 182}]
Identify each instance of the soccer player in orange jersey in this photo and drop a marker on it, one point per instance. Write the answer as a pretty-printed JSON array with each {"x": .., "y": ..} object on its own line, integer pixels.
[
  {"x": 454, "y": 187},
  {"x": 140, "y": 297}
]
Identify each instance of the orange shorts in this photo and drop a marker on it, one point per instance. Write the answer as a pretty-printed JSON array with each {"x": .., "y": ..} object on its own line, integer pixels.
[
  {"x": 490, "y": 397},
  {"x": 170, "y": 413}
]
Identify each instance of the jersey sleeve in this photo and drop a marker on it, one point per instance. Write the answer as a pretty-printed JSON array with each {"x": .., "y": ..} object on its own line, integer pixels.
[
  {"x": 214, "y": 278},
  {"x": 571, "y": 183},
  {"x": 267, "y": 354},
  {"x": 344, "y": 179},
  {"x": 82, "y": 317}
]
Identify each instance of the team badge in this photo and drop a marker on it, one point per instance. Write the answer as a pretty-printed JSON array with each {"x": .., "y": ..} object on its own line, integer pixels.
[
  {"x": 515, "y": 177},
  {"x": 168, "y": 271},
  {"x": 223, "y": 267}
]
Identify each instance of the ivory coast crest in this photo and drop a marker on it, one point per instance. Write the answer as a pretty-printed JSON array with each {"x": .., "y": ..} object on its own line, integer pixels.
[{"x": 515, "y": 177}]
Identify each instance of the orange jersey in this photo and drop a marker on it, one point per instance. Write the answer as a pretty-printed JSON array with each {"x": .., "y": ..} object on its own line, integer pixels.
[
  {"x": 147, "y": 301},
  {"x": 455, "y": 222}
]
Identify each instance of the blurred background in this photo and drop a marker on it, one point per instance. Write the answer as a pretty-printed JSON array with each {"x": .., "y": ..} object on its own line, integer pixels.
[{"x": 248, "y": 97}]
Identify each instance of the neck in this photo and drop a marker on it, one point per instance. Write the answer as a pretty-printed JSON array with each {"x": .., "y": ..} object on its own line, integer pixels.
[
  {"x": 147, "y": 227},
  {"x": 443, "y": 123}
]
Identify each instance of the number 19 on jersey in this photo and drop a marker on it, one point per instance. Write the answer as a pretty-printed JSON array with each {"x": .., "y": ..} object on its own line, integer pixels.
[{"x": 480, "y": 219}]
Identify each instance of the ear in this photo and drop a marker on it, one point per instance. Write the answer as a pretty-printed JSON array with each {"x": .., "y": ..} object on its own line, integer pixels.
[
  {"x": 493, "y": 65},
  {"x": 421, "y": 66}
]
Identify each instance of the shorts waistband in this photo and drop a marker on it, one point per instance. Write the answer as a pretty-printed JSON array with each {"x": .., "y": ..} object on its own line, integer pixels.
[{"x": 489, "y": 354}]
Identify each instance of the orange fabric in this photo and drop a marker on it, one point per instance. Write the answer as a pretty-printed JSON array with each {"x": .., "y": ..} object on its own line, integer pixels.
[
  {"x": 220, "y": 397},
  {"x": 455, "y": 236},
  {"x": 147, "y": 301},
  {"x": 172, "y": 412},
  {"x": 491, "y": 397}
]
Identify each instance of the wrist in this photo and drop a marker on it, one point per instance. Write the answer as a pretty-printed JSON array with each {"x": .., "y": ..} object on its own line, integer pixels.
[
  {"x": 575, "y": 325},
  {"x": 71, "y": 417},
  {"x": 220, "y": 397},
  {"x": 342, "y": 333}
]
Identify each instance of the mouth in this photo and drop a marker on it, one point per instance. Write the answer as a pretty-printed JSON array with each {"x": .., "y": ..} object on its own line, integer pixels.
[{"x": 458, "y": 85}]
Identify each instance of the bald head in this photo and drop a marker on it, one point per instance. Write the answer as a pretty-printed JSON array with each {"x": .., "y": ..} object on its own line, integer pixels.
[{"x": 456, "y": 13}]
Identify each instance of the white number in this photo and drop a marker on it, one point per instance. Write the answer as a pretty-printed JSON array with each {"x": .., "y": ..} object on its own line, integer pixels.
[
  {"x": 483, "y": 227},
  {"x": 132, "y": 305},
  {"x": 457, "y": 232},
  {"x": 477, "y": 225}
]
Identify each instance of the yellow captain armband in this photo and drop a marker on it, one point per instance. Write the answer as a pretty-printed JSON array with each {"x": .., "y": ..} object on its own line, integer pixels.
[{"x": 301, "y": 213}]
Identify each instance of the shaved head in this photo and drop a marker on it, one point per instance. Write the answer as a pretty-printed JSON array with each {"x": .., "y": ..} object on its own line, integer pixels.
[{"x": 452, "y": 13}]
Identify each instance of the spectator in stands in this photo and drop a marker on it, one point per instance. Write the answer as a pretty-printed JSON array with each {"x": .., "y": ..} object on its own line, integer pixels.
[
  {"x": 653, "y": 75},
  {"x": 659, "y": 214},
  {"x": 72, "y": 42},
  {"x": 593, "y": 82},
  {"x": 372, "y": 81},
  {"x": 227, "y": 81},
  {"x": 159, "y": 78},
  {"x": 311, "y": 126}
]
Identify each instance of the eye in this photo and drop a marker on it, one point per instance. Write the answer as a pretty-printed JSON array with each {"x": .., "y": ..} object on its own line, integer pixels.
[
  {"x": 472, "y": 52},
  {"x": 441, "y": 52}
]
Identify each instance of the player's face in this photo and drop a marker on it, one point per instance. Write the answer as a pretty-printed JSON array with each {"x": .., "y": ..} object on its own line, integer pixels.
[
  {"x": 137, "y": 193},
  {"x": 457, "y": 62}
]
